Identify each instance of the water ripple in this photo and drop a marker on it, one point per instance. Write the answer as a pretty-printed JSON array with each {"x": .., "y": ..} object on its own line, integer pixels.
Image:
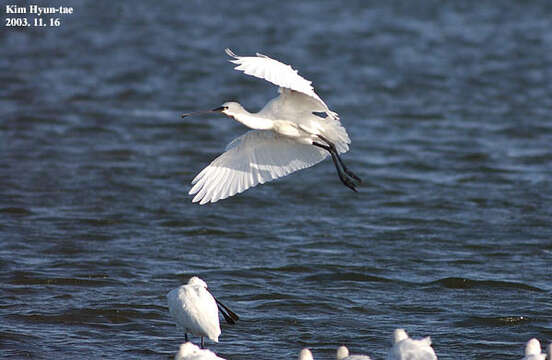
[{"x": 462, "y": 283}]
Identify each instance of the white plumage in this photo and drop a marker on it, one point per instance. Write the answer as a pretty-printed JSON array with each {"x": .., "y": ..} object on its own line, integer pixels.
[
  {"x": 251, "y": 159},
  {"x": 305, "y": 354},
  {"x": 343, "y": 354},
  {"x": 189, "y": 351},
  {"x": 290, "y": 133},
  {"x": 280, "y": 74},
  {"x": 533, "y": 350},
  {"x": 405, "y": 348},
  {"x": 195, "y": 310}
]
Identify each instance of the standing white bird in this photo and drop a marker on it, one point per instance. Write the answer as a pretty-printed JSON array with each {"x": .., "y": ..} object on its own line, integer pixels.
[
  {"x": 195, "y": 310},
  {"x": 533, "y": 350},
  {"x": 343, "y": 354},
  {"x": 189, "y": 351},
  {"x": 305, "y": 354},
  {"x": 293, "y": 131},
  {"x": 405, "y": 348}
]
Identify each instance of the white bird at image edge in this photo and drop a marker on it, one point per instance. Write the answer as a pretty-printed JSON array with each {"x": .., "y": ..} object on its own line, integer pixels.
[
  {"x": 189, "y": 351},
  {"x": 533, "y": 350},
  {"x": 293, "y": 131},
  {"x": 405, "y": 348},
  {"x": 305, "y": 354},
  {"x": 343, "y": 354}
]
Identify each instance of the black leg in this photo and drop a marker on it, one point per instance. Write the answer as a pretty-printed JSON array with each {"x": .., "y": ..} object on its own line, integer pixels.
[
  {"x": 347, "y": 171},
  {"x": 344, "y": 179},
  {"x": 186, "y": 337},
  {"x": 202, "y": 343},
  {"x": 332, "y": 147}
]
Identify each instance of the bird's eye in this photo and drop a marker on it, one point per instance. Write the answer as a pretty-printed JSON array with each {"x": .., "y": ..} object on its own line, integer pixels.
[{"x": 226, "y": 108}]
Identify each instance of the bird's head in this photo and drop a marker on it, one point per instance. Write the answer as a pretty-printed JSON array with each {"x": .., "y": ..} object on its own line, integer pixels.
[
  {"x": 399, "y": 335},
  {"x": 230, "y": 108},
  {"x": 342, "y": 352},
  {"x": 187, "y": 349},
  {"x": 533, "y": 347},
  {"x": 194, "y": 280},
  {"x": 305, "y": 354}
]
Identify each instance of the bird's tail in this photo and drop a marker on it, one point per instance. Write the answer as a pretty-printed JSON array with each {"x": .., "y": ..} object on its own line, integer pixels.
[{"x": 333, "y": 131}]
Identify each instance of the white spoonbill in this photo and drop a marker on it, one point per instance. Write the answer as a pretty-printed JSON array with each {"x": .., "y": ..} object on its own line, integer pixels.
[
  {"x": 405, "y": 348},
  {"x": 293, "y": 131},
  {"x": 189, "y": 351},
  {"x": 343, "y": 354},
  {"x": 195, "y": 310},
  {"x": 305, "y": 354},
  {"x": 533, "y": 350}
]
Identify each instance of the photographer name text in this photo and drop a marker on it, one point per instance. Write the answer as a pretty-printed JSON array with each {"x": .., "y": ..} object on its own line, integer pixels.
[{"x": 35, "y": 16}]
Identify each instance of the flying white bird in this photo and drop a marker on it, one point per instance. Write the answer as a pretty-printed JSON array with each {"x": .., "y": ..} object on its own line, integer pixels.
[
  {"x": 293, "y": 131},
  {"x": 195, "y": 310},
  {"x": 343, "y": 354},
  {"x": 189, "y": 351},
  {"x": 305, "y": 354},
  {"x": 533, "y": 350},
  {"x": 405, "y": 348}
]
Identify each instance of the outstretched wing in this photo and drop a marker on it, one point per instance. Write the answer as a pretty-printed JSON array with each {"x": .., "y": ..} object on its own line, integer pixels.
[
  {"x": 280, "y": 74},
  {"x": 254, "y": 158}
]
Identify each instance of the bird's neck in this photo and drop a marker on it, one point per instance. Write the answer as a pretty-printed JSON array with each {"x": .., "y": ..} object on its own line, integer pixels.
[{"x": 254, "y": 121}]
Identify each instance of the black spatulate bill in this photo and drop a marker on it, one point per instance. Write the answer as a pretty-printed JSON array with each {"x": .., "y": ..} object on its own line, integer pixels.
[{"x": 229, "y": 315}]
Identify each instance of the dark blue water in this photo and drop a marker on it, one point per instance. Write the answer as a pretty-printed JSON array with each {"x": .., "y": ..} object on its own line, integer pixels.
[{"x": 449, "y": 109}]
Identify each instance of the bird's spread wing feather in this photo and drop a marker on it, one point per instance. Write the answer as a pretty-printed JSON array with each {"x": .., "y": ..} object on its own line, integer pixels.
[
  {"x": 280, "y": 74},
  {"x": 254, "y": 158}
]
